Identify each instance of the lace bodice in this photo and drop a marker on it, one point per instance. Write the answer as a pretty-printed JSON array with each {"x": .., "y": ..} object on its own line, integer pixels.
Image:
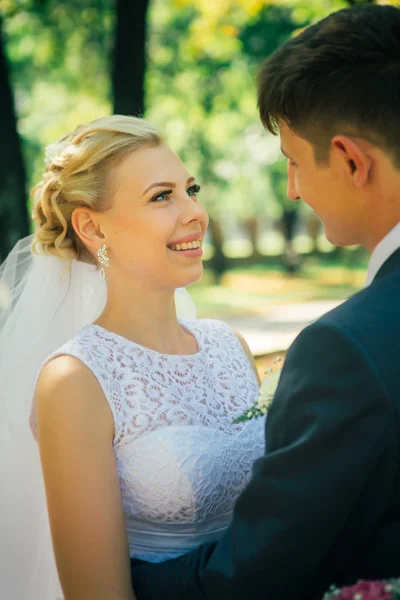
[{"x": 181, "y": 462}]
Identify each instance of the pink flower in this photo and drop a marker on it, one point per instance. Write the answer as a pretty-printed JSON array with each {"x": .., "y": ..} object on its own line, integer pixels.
[{"x": 366, "y": 590}]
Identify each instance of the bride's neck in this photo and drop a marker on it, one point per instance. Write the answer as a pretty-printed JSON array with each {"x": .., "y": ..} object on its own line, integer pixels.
[{"x": 149, "y": 319}]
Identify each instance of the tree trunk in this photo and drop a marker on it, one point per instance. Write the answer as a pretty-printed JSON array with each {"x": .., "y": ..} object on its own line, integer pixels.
[
  {"x": 288, "y": 223},
  {"x": 14, "y": 220},
  {"x": 313, "y": 226},
  {"x": 252, "y": 226},
  {"x": 129, "y": 57},
  {"x": 290, "y": 258},
  {"x": 219, "y": 262}
]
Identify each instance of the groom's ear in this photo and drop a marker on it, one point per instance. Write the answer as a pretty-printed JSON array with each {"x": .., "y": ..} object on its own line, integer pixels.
[{"x": 353, "y": 156}]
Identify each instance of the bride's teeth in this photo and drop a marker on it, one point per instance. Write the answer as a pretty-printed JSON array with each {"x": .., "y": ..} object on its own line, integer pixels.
[{"x": 188, "y": 246}]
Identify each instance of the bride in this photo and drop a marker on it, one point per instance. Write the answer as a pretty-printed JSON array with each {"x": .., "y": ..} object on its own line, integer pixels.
[{"x": 129, "y": 397}]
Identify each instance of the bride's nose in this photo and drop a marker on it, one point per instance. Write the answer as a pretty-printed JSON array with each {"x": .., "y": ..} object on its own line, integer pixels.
[{"x": 193, "y": 210}]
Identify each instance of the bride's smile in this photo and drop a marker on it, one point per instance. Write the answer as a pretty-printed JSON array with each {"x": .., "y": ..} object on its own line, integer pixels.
[{"x": 155, "y": 220}]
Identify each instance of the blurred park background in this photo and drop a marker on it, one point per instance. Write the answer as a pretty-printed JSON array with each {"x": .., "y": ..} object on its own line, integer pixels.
[{"x": 190, "y": 67}]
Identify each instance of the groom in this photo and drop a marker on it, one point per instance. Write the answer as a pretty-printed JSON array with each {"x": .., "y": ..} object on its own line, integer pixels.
[{"x": 323, "y": 504}]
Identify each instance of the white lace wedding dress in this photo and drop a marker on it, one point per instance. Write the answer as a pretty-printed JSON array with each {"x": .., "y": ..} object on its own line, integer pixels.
[{"x": 181, "y": 462}]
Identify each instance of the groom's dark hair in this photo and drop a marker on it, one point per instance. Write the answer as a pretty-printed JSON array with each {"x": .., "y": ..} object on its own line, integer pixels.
[{"x": 341, "y": 75}]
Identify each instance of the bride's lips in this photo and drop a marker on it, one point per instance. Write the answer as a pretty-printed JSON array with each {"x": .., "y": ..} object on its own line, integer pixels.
[
  {"x": 192, "y": 237},
  {"x": 189, "y": 252}
]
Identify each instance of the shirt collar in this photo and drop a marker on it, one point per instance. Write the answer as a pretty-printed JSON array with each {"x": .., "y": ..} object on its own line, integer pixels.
[{"x": 389, "y": 244}]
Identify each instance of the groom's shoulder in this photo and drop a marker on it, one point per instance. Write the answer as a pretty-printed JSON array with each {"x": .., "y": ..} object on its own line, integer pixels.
[
  {"x": 364, "y": 330},
  {"x": 371, "y": 317},
  {"x": 380, "y": 300}
]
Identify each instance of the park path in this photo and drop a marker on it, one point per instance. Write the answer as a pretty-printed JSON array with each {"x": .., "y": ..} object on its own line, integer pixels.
[{"x": 276, "y": 330}]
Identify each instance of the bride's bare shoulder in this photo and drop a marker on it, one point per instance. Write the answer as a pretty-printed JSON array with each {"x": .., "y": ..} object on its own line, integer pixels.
[
  {"x": 61, "y": 372},
  {"x": 67, "y": 389}
]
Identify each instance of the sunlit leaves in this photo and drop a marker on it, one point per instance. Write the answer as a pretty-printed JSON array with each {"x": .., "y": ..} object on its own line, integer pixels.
[
  {"x": 59, "y": 53},
  {"x": 200, "y": 85}
]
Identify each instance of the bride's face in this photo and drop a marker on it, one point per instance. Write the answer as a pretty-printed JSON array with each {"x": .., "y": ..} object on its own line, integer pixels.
[{"x": 154, "y": 206}]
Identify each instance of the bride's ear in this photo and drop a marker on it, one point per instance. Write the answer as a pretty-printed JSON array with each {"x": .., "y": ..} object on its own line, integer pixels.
[
  {"x": 87, "y": 227},
  {"x": 354, "y": 158}
]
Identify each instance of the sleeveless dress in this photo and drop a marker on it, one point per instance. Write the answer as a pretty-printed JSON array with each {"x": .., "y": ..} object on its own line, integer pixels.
[{"x": 181, "y": 462}]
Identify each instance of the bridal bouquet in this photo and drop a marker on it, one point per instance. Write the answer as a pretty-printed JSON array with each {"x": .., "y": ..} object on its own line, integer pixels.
[
  {"x": 366, "y": 590},
  {"x": 266, "y": 394}
]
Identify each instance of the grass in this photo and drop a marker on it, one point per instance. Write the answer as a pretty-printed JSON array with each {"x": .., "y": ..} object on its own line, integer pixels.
[{"x": 252, "y": 291}]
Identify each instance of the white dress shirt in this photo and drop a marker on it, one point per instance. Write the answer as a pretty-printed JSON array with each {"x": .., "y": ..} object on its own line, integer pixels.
[{"x": 383, "y": 250}]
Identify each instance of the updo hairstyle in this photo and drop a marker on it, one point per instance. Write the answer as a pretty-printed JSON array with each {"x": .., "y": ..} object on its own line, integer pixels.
[{"x": 77, "y": 175}]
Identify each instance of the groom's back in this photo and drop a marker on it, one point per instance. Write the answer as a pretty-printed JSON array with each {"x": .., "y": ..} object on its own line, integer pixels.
[
  {"x": 371, "y": 319},
  {"x": 333, "y": 94}
]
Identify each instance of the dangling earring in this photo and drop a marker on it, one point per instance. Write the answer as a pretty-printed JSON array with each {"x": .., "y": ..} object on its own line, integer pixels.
[{"x": 104, "y": 261}]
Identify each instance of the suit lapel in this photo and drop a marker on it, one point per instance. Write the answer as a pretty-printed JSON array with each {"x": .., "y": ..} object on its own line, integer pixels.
[{"x": 392, "y": 263}]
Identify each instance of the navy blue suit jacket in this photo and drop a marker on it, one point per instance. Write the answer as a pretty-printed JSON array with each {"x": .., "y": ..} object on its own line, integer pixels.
[{"x": 323, "y": 503}]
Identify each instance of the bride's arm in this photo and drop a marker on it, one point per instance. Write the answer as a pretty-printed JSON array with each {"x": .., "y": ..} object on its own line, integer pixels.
[
  {"x": 75, "y": 433},
  {"x": 249, "y": 355}
]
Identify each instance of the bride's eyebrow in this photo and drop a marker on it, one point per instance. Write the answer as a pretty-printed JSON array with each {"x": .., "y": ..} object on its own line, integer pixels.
[{"x": 166, "y": 184}]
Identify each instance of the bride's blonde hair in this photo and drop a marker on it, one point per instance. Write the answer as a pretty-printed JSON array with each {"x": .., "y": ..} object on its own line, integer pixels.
[{"x": 77, "y": 172}]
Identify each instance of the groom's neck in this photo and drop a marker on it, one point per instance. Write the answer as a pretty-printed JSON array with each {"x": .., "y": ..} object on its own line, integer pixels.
[{"x": 384, "y": 225}]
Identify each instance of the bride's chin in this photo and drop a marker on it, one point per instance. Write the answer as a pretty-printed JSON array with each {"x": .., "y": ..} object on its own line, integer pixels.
[{"x": 190, "y": 280}]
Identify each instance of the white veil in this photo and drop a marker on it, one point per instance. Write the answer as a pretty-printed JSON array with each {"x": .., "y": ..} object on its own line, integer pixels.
[{"x": 43, "y": 303}]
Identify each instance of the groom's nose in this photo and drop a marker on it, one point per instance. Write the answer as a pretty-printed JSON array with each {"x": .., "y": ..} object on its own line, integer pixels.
[{"x": 291, "y": 189}]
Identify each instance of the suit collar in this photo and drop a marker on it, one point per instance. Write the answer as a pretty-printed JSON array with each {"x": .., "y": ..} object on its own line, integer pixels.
[
  {"x": 382, "y": 252},
  {"x": 392, "y": 263}
]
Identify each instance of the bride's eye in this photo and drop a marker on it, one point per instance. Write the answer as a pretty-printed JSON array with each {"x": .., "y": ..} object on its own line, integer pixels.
[
  {"x": 161, "y": 196},
  {"x": 194, "y": 190}
]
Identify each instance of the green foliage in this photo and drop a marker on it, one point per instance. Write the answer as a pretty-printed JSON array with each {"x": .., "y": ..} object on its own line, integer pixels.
[
  {"x": 58, "y": 52},
  {"x": 201, "y": 92},
  {"x": 200, "y": 87}
]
